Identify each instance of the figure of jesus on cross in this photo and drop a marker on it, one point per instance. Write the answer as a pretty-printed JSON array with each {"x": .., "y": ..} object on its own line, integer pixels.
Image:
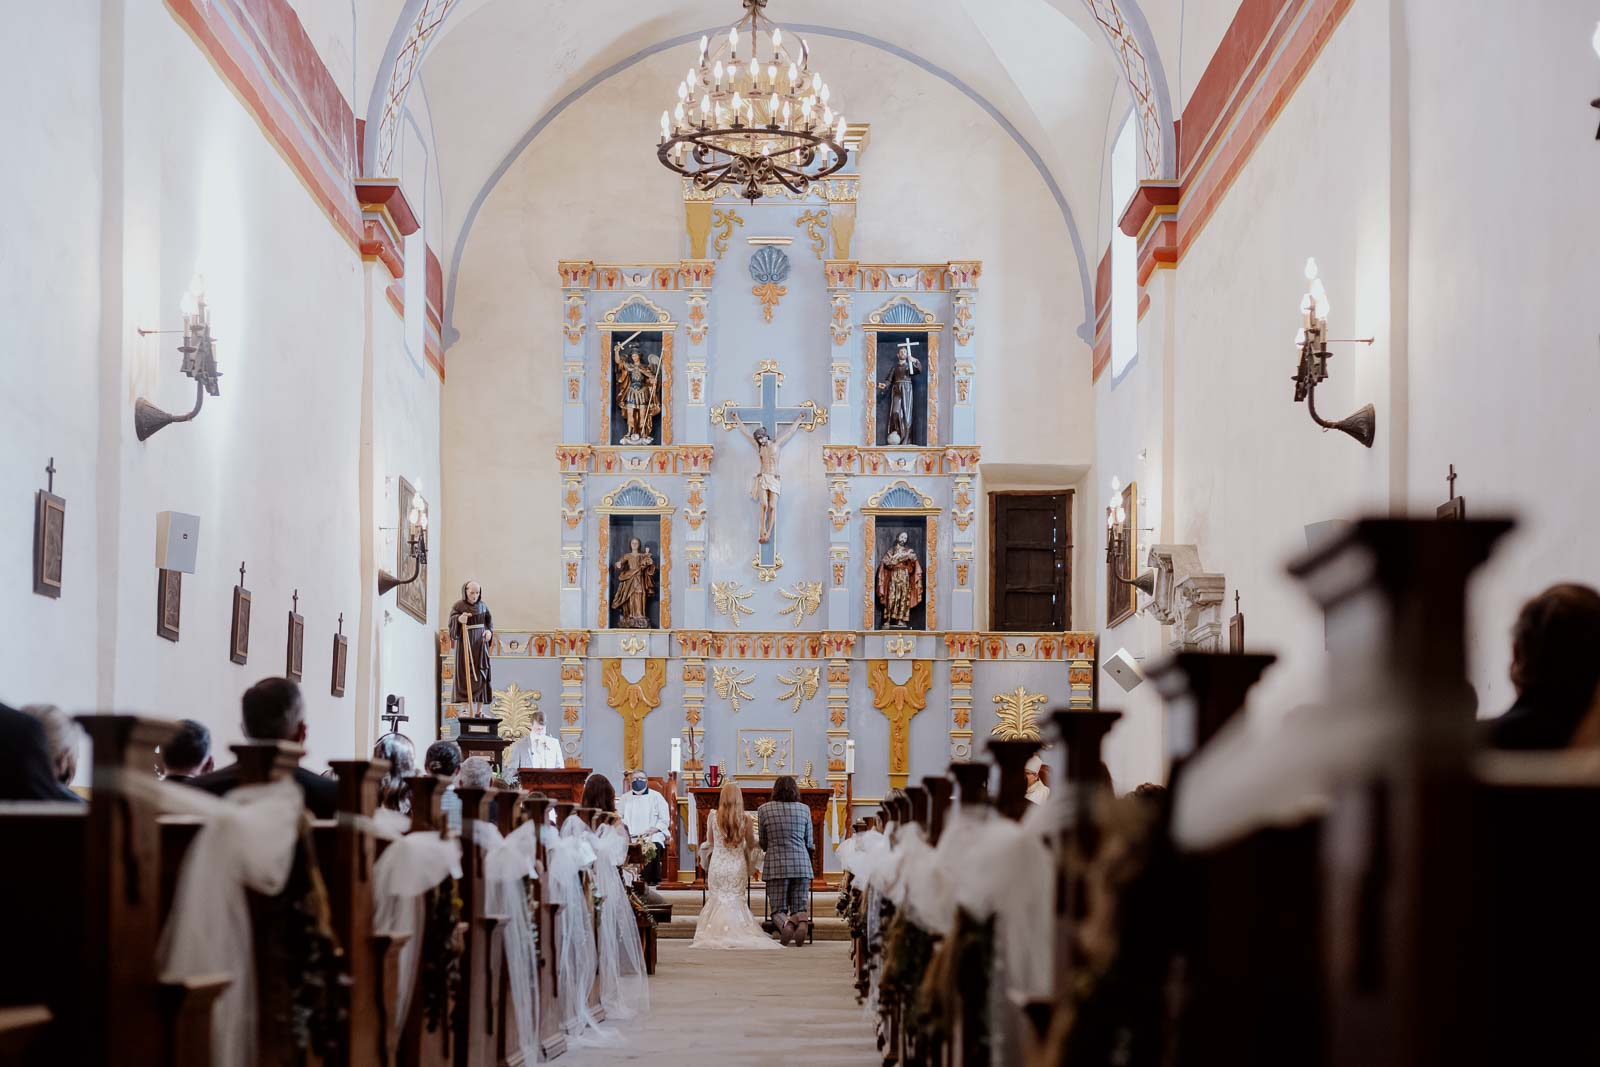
[{"x": 766, "y": 419}]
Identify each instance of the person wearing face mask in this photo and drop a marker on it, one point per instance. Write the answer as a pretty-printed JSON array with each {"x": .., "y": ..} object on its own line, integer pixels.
[
  {"x": 533, "y": 749},
  {"x": 648, "y": 818}
]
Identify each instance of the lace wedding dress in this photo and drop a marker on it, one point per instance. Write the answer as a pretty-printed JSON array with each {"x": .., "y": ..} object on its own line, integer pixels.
[{"x": 725, "y": 921}]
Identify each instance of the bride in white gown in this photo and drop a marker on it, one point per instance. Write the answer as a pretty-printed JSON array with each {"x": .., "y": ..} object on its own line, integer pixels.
[{"x": 725, "y": 921}]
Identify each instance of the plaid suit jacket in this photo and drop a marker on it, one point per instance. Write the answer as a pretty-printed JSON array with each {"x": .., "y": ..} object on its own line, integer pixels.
[{"x": 785, "y": 832}]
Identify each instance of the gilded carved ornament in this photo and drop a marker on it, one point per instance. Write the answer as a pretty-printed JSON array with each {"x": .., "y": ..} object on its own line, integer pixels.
[
  {"x": 899, "y": 704},
  {"x": 633, "y": 701}
]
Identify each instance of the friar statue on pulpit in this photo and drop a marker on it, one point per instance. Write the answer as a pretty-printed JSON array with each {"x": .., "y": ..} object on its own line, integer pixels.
[
  {"x": 899, "y": 583},
  {"x": 766, "y": 486},
  {"x": 471, "y": 630}
]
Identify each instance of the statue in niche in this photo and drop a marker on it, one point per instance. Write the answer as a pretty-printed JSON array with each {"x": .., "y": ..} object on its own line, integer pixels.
[
  {"x": 766, "y": 486},
  {"x": 638, "y": 392},
  {"x": 471, "y": 628},
  {"x": 636, "y": 580},
  {"x": 899, "y": 583},
  {"x": 901, "y": 396}
]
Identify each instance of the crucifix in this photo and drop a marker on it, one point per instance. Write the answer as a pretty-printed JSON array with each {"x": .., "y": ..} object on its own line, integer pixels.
[
  {"x": 396, "y": 713},
  {"x": 1236, "y": 627},
  {"x": 1456, "y": 506},
  {"x": 296, "y": 598},
  {"x": 767, "y": 417},
  {"x": 341, "y": 622},
  {"x": 50, "y": 487},
  {"x": 241, "y": 574}
]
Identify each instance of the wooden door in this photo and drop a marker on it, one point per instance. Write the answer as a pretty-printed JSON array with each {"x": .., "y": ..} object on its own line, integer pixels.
[{"x": 1030, "y": 553}]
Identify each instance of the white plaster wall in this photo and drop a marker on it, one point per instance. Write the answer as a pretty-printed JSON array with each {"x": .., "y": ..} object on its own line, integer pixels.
[
  {"x": 1505, "y": 293},
  {"x": 1250, "y": 469},
  {"x": 133, "y": 186},
  {"x": 50, "y": 292},
  {"x": 940, "y": 182}
]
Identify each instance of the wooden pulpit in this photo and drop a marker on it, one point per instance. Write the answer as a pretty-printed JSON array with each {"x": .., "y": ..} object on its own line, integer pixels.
[
  {"x": 479, "y": 735},
  {"x": 757, "y": 794},
  {"x": 557, "y": 783}
]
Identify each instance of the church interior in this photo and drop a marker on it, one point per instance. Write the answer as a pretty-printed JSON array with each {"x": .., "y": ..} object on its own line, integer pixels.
[{"x": 1058, "y": 518}]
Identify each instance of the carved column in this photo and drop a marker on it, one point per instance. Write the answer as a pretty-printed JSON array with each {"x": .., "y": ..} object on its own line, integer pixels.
[
  {"x": 963, "y": 514},
  {"x": 572, "y": 710},
  {"x": 838, "y": 727},
  {"x": 963, "y": 277},
  {"x": 694, "y": 702},
  {"x": 1187, "y": 598},
  {"x": 696, "y": 276},
  {"x": 577, "y": 278},
  {"x": 1079, "y": 651},
  {"x": 960, "y": 709},
  {"x": 573, "y": 462}
]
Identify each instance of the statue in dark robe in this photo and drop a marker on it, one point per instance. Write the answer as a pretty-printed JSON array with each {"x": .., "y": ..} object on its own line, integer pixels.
[
  {"x": 900, "y": 584},
  {"x": 636, "y": 580},
  {"x": 470, "y": 629},
  {"x": 902, "y": 394}
]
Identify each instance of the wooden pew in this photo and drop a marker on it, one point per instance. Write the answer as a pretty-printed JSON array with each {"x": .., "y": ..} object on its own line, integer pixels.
[
  {"x": 1012, "y": 758},
  {"x": 348, "y": 874},
  {"x": 552, "y": 1037},
  {"x": 969, "y": 952},
  {"x": 474, "y": 1014},
  {"x": 418, "y": 1045}
]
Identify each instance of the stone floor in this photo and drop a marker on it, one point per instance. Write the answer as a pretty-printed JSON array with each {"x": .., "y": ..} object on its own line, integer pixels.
[{"x": 794, "y": 1007}]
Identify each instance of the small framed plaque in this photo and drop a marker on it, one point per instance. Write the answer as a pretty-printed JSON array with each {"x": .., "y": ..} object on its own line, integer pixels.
[{"x": 169, "y": 603}]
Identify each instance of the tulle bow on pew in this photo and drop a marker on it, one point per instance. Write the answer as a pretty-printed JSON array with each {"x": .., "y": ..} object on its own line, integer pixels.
[
  {"x": 409, "y": 868},
  {"x": 624, "y": 987},
  {"x": 567, "y": 853},
  {"x": 507, "y": 863},
  {"x": 248, "y": 843}
]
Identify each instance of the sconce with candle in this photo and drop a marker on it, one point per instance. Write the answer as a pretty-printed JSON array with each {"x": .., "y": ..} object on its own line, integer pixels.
[
  {"x": 1313, "y": 341},
  {"x": 416, "y": 534},
  {"x": 199, "y": 362},
  {"x": 1120, "y": 546}
]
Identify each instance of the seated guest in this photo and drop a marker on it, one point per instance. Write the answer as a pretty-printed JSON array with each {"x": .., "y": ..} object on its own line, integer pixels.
[
  {"x": 533, "y": 749},
  {"x": 187, "y": 753},
  {"x": 61, "y": 736},
  {"x": 25, "y": 767},
  {"x": 476, "y": 773},
  {"x": 274, "y": 711},
  {"x": 443, "y": 758},
  {"x": 1555, "y": 667},
  {"x": 648, "y": 818},
  {"x": 394, "y": 792},
  {"x": 599, "y": 794}
]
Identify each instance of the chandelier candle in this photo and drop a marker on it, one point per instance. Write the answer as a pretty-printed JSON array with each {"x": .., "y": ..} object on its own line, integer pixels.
[{"x": 759, "y": 124}]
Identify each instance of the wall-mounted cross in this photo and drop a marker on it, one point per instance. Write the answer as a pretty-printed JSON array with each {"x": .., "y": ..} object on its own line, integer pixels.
[
  {"x": 1452, "y": 480},
  {"x": 297, "y": 602},
  {"x": 241, "y": 574},
  {"x": 341, "y": 623},
  {"x": 770, "y": 417},
  {"x": 51, "y": 471}
]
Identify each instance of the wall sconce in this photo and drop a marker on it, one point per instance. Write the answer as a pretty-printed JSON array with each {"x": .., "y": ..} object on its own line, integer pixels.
[
  {"x": 199, "y": 362},
  {"x": 1312, "y": 340},
  {"x": 1117, "y": 535},
  {"x": 417, "y": 539}
]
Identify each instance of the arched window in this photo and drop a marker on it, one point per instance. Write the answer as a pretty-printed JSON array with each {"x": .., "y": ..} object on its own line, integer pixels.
[{"x": 1124, "y": 250}]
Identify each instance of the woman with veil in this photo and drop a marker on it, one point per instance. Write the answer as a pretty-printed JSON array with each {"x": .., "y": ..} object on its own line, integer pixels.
[{"x": 624, "y": 990}]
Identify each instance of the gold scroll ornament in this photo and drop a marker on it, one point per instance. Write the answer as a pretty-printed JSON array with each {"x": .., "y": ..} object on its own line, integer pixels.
[
  {"x": 899, "y": 703},
  {"x": 633, "y": 701}
]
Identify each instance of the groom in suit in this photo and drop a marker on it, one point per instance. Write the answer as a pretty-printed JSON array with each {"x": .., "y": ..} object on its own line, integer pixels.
[{"x": 784, "y": 828}]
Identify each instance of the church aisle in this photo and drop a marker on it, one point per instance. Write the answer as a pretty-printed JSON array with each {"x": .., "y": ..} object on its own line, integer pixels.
[{"x": 747, "y": 1008}]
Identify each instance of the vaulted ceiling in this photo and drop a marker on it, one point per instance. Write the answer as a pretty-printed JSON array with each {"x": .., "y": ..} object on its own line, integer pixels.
[{"x": 485, "y": 76}]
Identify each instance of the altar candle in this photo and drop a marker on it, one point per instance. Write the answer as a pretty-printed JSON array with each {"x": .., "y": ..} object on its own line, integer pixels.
[
  {"x": 849, "y": 757},
  {"x": 677, "y": 755}
]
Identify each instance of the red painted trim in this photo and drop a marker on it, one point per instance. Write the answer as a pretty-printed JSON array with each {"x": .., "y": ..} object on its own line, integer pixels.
[
  {"x": 1160, "y": 249},
  {"x": 1144, "y": 305},
  {"x": 225, "y": 50},
  {"x": 435, "y": 287},
  {"x": 1102, "y": 285},
  {"x": 1150, "y": 196},
  {"x": 435, "y": 354},
  {"x": 1102, "y": 360},
  {"x": 1276, "y": 88},
  {"x": 377, "y": 242},
  {"x": 385, "y": 194},
  {"x": 1237, "y": 54},
  {"x": 397, "y": 298}
]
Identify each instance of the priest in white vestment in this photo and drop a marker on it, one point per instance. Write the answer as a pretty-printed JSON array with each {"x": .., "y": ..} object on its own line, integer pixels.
[
  {"x": 533, "y": 749},
  {"x": 648, "y": 818},
  {"x": 1038, "y": 792}
]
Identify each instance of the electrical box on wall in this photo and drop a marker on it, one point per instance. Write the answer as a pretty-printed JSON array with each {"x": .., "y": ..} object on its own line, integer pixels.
[{"x": 177, "y": 541}]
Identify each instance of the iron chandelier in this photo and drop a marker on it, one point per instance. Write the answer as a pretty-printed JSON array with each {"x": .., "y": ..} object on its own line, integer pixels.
[{"x": 752, "y": 123}]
